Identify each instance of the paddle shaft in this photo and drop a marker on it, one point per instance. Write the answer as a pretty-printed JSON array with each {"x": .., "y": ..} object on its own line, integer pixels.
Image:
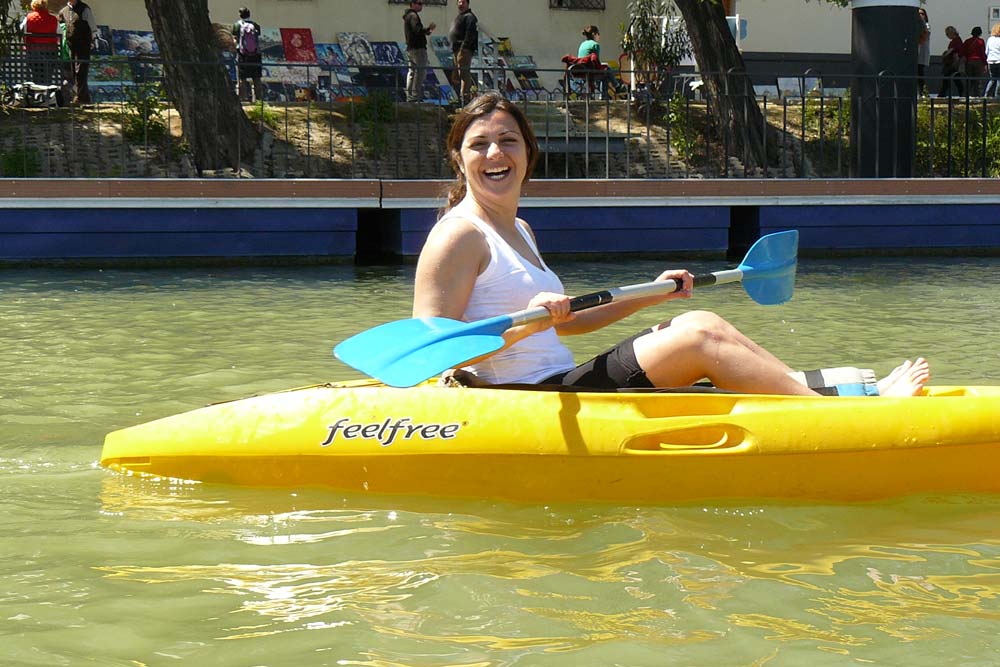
[{"x": 627, "y": 293}]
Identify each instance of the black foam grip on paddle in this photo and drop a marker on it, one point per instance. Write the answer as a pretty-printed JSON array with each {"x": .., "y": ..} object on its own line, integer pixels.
[
  {"x": 705, "y": 280},
  {"x": 591, "y": 300}
]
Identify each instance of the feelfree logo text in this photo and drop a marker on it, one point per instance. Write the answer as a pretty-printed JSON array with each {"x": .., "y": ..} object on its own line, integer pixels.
[{"x": 388, "y": 431}]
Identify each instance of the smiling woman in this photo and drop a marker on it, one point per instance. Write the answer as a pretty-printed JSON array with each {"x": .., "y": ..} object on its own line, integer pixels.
[{"x": 480, "y": 261}]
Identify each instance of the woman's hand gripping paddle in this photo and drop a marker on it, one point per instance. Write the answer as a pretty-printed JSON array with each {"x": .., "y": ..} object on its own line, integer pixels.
[{"x": 406, "y": 352}]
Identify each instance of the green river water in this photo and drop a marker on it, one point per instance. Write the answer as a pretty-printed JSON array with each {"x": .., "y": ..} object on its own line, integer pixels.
[{"x": 103, "y": 569}]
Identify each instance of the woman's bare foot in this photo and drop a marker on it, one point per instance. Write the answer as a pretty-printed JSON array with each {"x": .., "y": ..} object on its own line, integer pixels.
[
  {"x": 894, "y": 375},
  {"x": 907, "y": 379}
]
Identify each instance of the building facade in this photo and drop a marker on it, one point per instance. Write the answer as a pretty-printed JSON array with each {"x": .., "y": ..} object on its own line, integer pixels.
[
  {"x": 792, "y": 35},
  {"x": 784, "y": 36}
]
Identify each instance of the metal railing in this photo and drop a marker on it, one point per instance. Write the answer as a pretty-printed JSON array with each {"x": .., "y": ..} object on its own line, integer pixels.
[{"x": 319, "y": 121}]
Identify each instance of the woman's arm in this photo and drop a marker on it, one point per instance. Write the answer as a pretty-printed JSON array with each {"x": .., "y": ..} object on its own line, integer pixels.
[
  {"x": 601, "y": 316},
  {"x": 592, "y": 319},
  {"x": 452, "y": 258}
]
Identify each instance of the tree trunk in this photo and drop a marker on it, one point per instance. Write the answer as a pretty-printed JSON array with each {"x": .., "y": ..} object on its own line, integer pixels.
[
  {"x": 727, "y": 86},
  {"x": 197, "y": 83}
]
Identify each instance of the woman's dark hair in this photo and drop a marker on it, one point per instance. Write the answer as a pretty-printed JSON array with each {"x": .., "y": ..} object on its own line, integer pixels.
[
  {"x": 977, "y": 31},
  {"x": 590, "y": 31},
  {"x": 483, "y": 106}
]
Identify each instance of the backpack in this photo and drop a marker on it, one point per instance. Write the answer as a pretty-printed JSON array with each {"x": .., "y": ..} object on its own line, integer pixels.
[
  {"x": 78, "y": 33},
  {"x": 246, "y": 40}
]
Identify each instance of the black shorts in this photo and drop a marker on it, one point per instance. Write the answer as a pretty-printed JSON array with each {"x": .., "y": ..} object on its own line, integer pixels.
[
  {"x": 248, "y": 66},
  {"x": 615, "y": 368}
]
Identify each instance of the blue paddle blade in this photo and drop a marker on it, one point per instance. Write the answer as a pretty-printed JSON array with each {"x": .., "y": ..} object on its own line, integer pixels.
[
  {"x": 407, "y": 352},
  {"x": 769, "y": 268}
]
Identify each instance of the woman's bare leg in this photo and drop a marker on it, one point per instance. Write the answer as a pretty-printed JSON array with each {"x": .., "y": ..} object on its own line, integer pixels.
[{"x": 700, "y": 344}]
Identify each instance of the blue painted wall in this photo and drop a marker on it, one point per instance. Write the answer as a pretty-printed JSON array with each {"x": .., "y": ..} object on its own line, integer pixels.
[
  {"x": 603, "y": 229},
  {"x": 62, "y": 233},
  {"x": 887, "y": 227},
  {"x": 163, "y": 233}
]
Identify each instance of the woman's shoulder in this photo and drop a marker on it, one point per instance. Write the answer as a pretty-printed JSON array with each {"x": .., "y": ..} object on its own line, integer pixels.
[
  {"x": 456, "y": 241},
  {"x": 457, "y": 229},
  {"x": 456, "y": 219},
  {"x": 524, "y": 224}
]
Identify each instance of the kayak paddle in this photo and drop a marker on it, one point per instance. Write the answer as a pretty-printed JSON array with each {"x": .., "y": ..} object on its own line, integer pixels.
[{"x": 406, "y": 352}]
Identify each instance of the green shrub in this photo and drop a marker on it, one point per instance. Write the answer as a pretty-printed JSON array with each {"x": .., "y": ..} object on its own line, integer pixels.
[
  {"x": 374, "y": 115},
  {"x": 832, "y": 114},
  {"x": 945, "y": 151},
  {"x": 141, "y": 115},
  {"x": 21, "y": 163},
  {"x": 682, "y": 133},
  {"x": 263, "y": 114}
]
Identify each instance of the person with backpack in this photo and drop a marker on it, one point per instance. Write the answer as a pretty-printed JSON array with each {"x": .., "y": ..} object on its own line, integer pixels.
[
  {"x": 248, "y": 59},
  {"x": 81, "y": 32}
]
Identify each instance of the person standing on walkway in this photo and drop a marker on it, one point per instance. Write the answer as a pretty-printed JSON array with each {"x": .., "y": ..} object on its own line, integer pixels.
[
  {"x": 41, "y": 40},
  {"x": 416, "y": 50},
  {"x": 952, "y": 65},
  {"x": 81, "y": 33},
  {"x": 974, "y": 53},
  {"x": 248, "y": 58},
  {"x": 993, "y": 62},
  {"x": 464, "y": 44},
  {"x": 923, "y": 51}
]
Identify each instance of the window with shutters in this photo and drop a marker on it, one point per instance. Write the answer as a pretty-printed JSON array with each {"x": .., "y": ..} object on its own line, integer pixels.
[
  {"x": 442, "y": 3},
  {"x": 577, "y": 4}
]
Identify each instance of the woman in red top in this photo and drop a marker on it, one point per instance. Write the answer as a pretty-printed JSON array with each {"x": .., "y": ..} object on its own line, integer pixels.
[
  {"x": 974, "y": 52},
  {"x": 952, "y": 67},
  {"x": 41, "y": 40}
]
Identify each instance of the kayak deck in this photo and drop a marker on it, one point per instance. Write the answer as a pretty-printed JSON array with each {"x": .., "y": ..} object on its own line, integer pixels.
[{"x": 569, "y": 446}]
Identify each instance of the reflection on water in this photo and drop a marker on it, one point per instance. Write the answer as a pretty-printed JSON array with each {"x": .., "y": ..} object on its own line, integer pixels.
[
  {"x": 137, "y": 571},
  {"x": 454, "y": 578}
]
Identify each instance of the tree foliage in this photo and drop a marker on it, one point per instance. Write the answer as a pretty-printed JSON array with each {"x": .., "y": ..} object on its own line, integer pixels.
[
  {"x": 655, "y": 38},
  {"x": 10, "y": 23}
]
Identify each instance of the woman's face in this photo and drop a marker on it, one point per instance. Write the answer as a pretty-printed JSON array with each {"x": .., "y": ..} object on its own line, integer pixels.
[{"x": 494, "y": 156}]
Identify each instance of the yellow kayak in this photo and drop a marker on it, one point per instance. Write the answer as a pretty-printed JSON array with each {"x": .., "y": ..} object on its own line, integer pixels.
[{"x": 532, "y": 445}]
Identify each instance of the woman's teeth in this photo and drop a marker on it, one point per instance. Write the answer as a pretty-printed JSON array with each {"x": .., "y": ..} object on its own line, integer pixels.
[{"x": 497, "y": 174}]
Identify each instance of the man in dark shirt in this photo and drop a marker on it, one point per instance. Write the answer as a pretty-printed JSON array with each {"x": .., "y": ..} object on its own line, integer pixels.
[
  {"x": 81, "y": 32},
  {"x": 416, "y": 50},
  {"x": 464, "y": 43}
]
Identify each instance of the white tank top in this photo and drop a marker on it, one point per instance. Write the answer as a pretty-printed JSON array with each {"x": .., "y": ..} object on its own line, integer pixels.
[{"x": 506, "y": 286}]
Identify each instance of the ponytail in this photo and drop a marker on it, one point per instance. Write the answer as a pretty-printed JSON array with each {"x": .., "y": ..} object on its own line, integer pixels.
[{"x": 454, "y": 193}]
